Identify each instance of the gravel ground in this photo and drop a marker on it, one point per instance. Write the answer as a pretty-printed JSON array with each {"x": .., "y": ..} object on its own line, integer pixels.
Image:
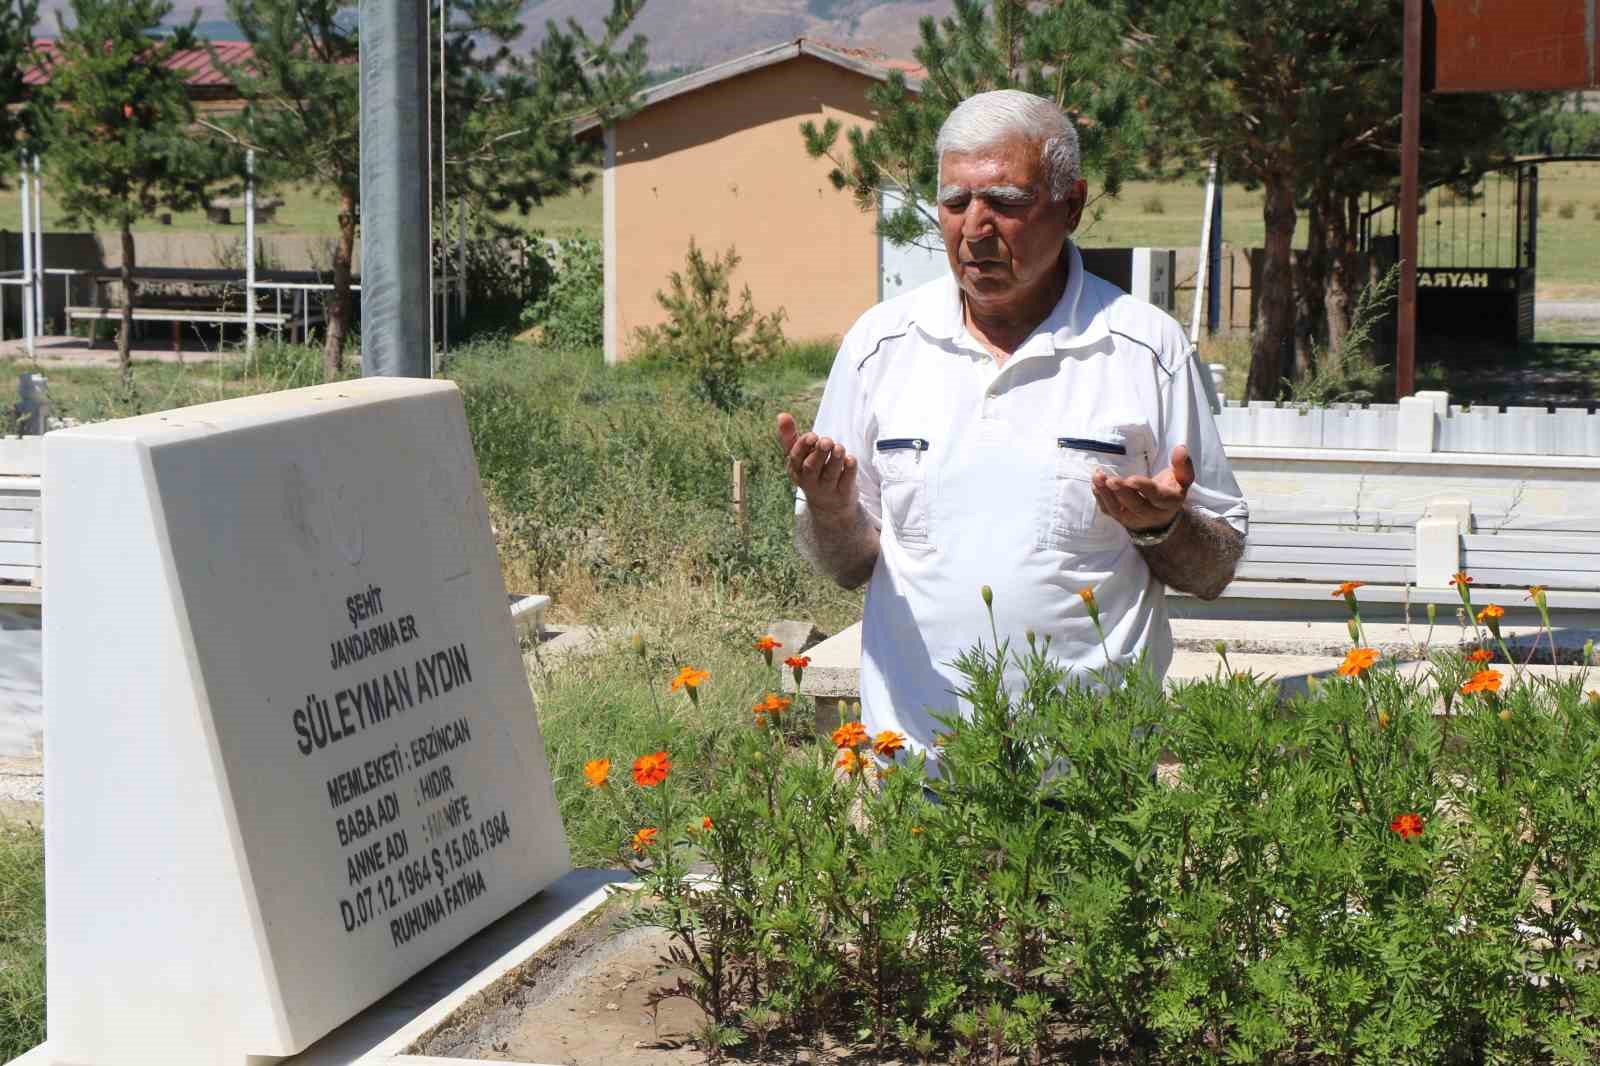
[{"x": 21, "y": 786}]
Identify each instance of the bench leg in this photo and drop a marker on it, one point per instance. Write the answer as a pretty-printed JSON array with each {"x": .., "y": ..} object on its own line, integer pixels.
[{"x": 177, "y": 338}]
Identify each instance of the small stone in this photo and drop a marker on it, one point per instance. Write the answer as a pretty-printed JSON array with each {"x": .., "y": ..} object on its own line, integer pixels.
[
  {"x": 621, "y": 986},
  {"x": 613, "y": 1006}
]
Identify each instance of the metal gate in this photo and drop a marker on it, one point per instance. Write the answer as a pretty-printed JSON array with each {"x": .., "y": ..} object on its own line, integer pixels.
[{"x": 1477, "y": 251}]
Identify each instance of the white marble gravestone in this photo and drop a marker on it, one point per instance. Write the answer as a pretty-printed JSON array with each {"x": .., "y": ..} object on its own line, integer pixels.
[{"x": 292, "y": 755}]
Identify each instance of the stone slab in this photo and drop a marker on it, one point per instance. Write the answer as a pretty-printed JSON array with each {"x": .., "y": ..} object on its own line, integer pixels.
[
  {"x": 383, "y": 1034},
  {"x": 293, "y": 755}
]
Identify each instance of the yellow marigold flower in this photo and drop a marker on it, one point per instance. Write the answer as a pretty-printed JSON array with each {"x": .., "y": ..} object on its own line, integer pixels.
[
  {"x": 1482, "y": 681},
  {"x": 1491, "y": 613},
  {"x": 1536, "y": 594},
  {"x": 888, "y": 742},
  {"x": 1358, "y": 661},
  {"x": 850, "y": 735}
]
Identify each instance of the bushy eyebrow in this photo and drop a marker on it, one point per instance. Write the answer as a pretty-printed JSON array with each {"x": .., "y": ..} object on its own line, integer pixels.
[{"x": 1005, "y": 194}]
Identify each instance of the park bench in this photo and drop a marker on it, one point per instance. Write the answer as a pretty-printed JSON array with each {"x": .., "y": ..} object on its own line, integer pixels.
[{"x": 220, "y": 212}]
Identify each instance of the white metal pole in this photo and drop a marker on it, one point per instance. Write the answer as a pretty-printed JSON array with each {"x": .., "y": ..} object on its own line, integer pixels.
[
  {"x": 444, "y": 198},
  {"x": 27, "y": 263},
  {"x": 250, "y": 256},
  {"x": 1205, "y": 252},
  {"x": 38, "y": 251}
]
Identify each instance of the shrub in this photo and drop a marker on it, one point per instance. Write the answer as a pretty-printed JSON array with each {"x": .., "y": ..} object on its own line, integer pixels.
[
  {"x": 1568, "y": 209},
  {"x": 506, "y": 271},
  {"x": 1153, "y": 205},
  {"x": 571, "y": 311},
  {"x": 1348, "y": 878},
  {"x": 705, "y": 334}
]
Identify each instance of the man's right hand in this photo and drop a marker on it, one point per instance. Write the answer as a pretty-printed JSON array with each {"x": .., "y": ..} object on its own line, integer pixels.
[{"x": 820, "y": 467}]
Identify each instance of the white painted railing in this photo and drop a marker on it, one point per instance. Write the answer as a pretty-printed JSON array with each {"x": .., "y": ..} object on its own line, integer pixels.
[{"x": 1426, "y": 422}]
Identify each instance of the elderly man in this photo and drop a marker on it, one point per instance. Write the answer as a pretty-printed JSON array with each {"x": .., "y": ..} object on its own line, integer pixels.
[{"x": 1020, "y": 424}]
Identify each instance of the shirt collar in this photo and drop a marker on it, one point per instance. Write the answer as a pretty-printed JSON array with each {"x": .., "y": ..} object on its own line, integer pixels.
[{"x": 1072, "y": 323}]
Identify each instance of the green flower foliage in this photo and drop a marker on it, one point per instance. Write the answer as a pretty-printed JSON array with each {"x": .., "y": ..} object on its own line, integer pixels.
[
  {"x": 571, "y": 310},
  {"x": 1064, "y": 50},
  {"x": 1385, "y": 870}
]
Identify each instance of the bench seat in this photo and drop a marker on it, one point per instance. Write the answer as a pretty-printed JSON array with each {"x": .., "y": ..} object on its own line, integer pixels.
[{"x": 179, "y": 314}]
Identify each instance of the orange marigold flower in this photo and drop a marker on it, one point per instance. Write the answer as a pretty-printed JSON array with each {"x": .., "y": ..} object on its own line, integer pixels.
[
  {"x": 850, "y": 735},
  {"x": 1482, "y": 681},
  {"x": 1407, "y": 825},
  {"x": 1491, "y": 613},
  {"x": 1358, "y": 661},
  {"x": 848, "y": 761},
  {"x": 916, "y": 830},
  {"x": 797, "y": 662},
  {"x": 705, "y": 823},
  {"x": 1460, "y": 579},
  {"x": 888, "y": 742},
  {"x": 774, "y": 704},
  {"x": 1087, "y": 595},
  {"x": 766, "y": 645},
  {"x": 651, "y": 770},
  {"x": 595, "y": 772},
  {"x": 1347, "y": 588},
  {"x": 643, "y": 839},
  {"x": 689, "y": 678},
  {"x": 1481, "y": 655}
]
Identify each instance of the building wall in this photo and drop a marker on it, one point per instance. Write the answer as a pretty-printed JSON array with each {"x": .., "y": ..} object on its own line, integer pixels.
[{"x": 726, "y": 165}]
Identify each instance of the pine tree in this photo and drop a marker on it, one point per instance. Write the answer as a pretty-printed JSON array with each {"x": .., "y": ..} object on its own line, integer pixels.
[
  {"x": 1302, "y": 99},
  {"x": 1064, "y": 50},
  {"x": 121, "y": 127},
  {"x": 509, "y": 139}
]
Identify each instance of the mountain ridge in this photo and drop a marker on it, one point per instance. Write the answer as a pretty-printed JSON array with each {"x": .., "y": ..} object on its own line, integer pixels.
[{"x": 687, "y": 33}]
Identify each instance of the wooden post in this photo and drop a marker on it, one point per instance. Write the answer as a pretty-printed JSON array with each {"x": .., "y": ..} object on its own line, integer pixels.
[
  {"x": 738, "y": 494},
  {"x": 1410, "y": 145}
]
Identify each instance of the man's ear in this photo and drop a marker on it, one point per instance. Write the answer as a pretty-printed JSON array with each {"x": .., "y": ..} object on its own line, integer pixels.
[{"x": 1074, "y": 203}]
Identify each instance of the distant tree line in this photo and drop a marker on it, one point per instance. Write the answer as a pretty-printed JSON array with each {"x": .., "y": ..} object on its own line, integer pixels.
[
  {"x": 1299, "y": 98},
  {"x": 121, "y": 139}
]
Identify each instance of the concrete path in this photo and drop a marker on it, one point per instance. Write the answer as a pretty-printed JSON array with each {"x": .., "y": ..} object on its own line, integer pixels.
[
  {"x": 77, "y": 352},
  {"x": 1566, "y": 311}
]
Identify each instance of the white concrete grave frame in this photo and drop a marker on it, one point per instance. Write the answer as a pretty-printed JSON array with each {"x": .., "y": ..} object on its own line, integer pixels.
[{"x": 293, "y": 754}]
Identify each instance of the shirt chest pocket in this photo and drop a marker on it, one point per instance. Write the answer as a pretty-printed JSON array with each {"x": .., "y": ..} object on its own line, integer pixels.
[
  {"x": 1070, "y": 520},
  {"x": 905, "y": 484}
]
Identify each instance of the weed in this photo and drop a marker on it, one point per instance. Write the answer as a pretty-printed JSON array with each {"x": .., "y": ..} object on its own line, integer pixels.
[
  {"x": 1153, "y": 205},
  {"x": 1568, "y": 209},
  {"x": 21, "y": 939}
]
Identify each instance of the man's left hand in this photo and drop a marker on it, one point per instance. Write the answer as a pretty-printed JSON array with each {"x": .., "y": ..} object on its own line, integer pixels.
[{"x": 1146, "y": 504}]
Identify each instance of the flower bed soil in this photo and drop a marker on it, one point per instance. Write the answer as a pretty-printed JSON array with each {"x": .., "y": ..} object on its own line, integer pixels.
[{"x": 583, "y": 1002}]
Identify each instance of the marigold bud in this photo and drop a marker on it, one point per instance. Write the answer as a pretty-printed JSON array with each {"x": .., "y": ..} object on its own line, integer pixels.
[
  {"x": 1221, "y": 648},
  {"x": 1433, "y": 613},
  {"x": 1354, "y": 627},
  {"x": 1383, "y": 719},
  {"x": 988, "y": 596},
  {"x": 638, "y": 645},
  {"x": 1505, "y": 714},
  {"x": 1588, "y": 652}
]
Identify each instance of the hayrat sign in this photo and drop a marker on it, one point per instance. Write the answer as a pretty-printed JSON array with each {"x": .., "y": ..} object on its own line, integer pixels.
[{"x": 1477, "y": 46}]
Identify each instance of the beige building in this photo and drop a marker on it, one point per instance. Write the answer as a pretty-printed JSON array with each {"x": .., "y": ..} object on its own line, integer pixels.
[{"x": 718, "y": 156}]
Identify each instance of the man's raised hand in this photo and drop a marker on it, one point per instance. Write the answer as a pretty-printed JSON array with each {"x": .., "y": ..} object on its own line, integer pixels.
[
  {"x": 1146, "y": 503},
  {"x": 819, "y": 466}
]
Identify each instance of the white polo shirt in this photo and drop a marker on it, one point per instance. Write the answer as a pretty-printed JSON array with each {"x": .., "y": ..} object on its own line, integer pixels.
[{"x": 980, "y": 475}]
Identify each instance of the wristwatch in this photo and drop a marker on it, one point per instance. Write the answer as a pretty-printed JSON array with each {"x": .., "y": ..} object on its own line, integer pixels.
[{"x": 1149, "y": 538}]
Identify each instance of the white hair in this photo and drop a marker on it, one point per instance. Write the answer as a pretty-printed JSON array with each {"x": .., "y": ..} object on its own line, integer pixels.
[{"x": 987, "y": 119}]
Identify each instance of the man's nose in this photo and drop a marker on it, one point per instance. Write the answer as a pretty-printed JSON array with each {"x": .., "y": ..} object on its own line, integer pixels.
[{"x": 977, "y": 222}]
